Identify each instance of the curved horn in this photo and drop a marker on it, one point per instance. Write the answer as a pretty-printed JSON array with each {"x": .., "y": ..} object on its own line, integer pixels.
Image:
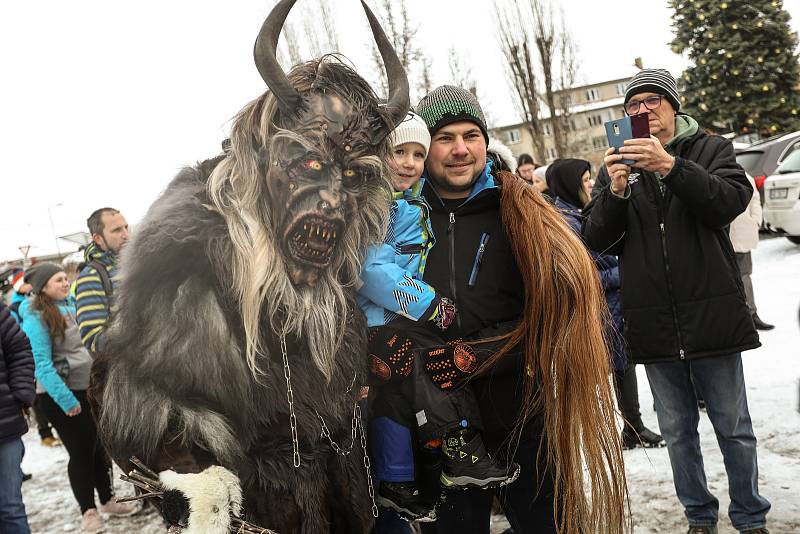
[
  {"x": 399, "y": 102},
  {"x": 267, "y": 64}
]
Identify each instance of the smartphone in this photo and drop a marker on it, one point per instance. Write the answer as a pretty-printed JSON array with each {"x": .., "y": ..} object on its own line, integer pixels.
[{"x": 628, "y": 127}]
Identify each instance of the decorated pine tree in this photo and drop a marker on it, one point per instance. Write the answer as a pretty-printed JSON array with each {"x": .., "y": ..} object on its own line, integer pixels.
[{"x": 745, "y": 75}]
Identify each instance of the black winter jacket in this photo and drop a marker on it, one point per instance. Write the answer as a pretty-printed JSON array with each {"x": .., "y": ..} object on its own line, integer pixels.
[
  {"x": 490, "y": 304},
  {"x": 16, "y": 377},
  {"x": 682, "y": 296}
]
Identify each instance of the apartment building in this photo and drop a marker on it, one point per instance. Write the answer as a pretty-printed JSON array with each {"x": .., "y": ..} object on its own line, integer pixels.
[{"x": 591, "y": 106}]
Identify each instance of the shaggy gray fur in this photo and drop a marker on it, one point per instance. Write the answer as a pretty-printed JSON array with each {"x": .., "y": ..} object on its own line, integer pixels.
[{"x": 174, "y": 387}]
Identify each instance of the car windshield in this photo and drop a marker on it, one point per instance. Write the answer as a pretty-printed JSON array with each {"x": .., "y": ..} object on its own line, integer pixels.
[
  {"x": 790, "y": 164},
  {"x": 749, "y": 162}
]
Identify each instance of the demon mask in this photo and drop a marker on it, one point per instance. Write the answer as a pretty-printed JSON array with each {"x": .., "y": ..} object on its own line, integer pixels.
[{"x": 325, "y": 146}]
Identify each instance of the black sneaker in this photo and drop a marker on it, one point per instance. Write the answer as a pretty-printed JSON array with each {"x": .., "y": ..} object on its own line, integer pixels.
[
  {"x": 645, "y": 438},
  {"x": 468, "y": 465},
  {"x": 404, "y": 498}
]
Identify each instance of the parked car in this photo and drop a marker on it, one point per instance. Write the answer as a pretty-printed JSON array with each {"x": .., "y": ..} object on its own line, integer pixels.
[
  {"x": 782, "y": 196},
  {"x": 762, "y": 158}
]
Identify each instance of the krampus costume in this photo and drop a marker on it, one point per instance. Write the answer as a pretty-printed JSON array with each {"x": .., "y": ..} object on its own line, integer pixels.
[{"x": 236, "y": 353}]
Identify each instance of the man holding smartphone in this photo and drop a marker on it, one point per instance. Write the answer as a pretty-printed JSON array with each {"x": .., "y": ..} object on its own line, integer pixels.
[{"x": 686, "y": 317}]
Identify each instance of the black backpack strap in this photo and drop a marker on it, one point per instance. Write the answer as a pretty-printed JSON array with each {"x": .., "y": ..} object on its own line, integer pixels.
[{"x": 105, "y": 279}]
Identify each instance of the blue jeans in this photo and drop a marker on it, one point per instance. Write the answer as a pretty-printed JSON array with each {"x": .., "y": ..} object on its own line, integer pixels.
[
  {"x": 13, "y": 519},
  {"x": 720, "y": 381}
]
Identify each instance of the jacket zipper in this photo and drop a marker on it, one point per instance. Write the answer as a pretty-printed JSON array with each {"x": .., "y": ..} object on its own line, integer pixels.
[
  {"x": 451, "y": 236},
  {"x": 681, "y": 353},
  {"x": 476, "y": 265}
]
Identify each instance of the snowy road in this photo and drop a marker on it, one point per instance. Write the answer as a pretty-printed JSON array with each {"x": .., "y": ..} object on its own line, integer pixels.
[{"x": 772, "y": 374}]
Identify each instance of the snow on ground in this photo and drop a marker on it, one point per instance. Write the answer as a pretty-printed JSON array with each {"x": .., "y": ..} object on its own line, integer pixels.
[{"x": 772, "y": 374}]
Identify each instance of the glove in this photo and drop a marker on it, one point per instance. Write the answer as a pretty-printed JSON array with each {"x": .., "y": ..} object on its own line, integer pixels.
[
  {"x": 449, "y": 365},
  {"x": 444, "y": 314},
  {"x": 390, "y": 355},
  {"x": 203, "y": 502}
]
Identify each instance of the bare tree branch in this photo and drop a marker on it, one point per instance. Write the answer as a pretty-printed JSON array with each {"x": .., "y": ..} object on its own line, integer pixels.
[{"x": 524, "y": 26}]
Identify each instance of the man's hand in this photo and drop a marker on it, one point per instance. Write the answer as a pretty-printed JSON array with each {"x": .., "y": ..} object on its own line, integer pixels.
[
  {"x": 648, "y": 154},
  {"x": 618, "y": 172}
]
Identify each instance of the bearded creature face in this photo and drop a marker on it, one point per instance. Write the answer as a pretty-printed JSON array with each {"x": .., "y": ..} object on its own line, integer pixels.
[{"x": 315, "y": 184}]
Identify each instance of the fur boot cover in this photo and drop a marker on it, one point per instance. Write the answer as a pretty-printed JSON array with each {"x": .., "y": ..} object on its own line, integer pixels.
[{"x": 213, "y": 495}]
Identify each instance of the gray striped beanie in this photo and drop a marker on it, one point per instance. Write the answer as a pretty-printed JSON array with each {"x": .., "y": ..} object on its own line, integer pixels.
[
  {"x": 654, "y": 81},
  {"x": 448, "y": 104}
]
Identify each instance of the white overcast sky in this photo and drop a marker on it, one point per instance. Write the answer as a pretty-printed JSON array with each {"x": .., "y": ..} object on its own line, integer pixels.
[{"x": 102, "y": 102}]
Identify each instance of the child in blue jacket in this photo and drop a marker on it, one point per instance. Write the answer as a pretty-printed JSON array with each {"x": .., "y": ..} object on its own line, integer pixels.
[{"x": 404, "y": 314}]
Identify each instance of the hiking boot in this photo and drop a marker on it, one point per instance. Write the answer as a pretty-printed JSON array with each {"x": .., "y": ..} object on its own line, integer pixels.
[
  {"x": 645, "y": 438},
  {"x": 760, "y": 530},
  {"x": 50, "y": 441},
  {"x": 761, "y": 325},
  {"x": 91, "y": 522},
  {"x": 118, "y": 509},
  {"x": 404, "y": 498},
  {"x": 702, "y": 530},
  {"x": 468, "y": 465}
]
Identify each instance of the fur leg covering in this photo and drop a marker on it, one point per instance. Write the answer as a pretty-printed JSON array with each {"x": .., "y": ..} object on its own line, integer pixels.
[{"x": 213, "y": 495}]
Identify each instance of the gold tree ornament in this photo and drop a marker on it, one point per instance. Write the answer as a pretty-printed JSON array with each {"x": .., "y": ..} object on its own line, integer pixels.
[
  {"x": 739, "y": 94},
  {"x": 760, "y": 59},
  {"x": 773, "y": 128},
  {"x": 735, "y": 26},
  {"x": 735, "y": 72},
  {"x": 794, "y": 112},
  {"x": 701, "y": 16},
  {"x": 729, "y": 55},
  {"x": 723, "y": 5},
  {"x": 765, "y": 87},
  {"x": 750, "y": 121}
]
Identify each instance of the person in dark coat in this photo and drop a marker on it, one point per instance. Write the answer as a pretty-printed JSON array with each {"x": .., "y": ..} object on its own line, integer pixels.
[
  {"x": 515, "y": 270},
  {"x": 17, "y": 392},
  {"x": 570, "y": 184},
  {"x": 666, "y": 216}
]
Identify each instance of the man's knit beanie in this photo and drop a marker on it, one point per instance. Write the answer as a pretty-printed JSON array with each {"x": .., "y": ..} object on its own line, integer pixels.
[
  {"x": 38, "y": 275},
  {"x": 448, "y": 104},
  {"x": 412, "y": 130},
  {"x": 654, "y": 81}
]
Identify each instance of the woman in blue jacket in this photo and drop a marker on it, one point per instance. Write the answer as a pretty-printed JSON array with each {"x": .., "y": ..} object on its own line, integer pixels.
[
  {"x": 62, "y": 370},
  {"x": 569, "y": 181}
]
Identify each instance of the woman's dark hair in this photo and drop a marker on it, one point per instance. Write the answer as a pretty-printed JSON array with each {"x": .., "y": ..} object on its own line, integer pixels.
[
  {"x": 525, "y": 159},
  {"x": 51, "y": 315}
]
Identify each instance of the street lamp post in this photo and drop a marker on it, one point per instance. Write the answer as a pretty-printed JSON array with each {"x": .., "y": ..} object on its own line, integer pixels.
[{"x": 53, "y": 227}]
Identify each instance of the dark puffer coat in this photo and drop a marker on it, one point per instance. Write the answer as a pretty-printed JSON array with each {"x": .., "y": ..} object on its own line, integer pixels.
[
  {"x": 16, "y": 377},
  {"x": 682, "y": 296}
]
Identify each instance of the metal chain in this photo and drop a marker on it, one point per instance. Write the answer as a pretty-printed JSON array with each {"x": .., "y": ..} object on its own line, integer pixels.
[
  {"x": 326, "y": 433},
  {"x": 367, "y": 464},
  {"x": 356, "y": 427},
  {"x": 290, "y": 398}
]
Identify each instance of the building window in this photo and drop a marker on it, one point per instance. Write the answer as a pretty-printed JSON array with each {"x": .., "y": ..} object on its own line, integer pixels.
[
  {"x": 599, "y": 142},
  {"x": 621, "y": 88},
  {"x": 546, "y": 129},
  {"x": 595, "y": 120},
  {"x": 512, "y": 137},
  {"x": 551, "y": 153},
  {"x": 592, "y": 94}
]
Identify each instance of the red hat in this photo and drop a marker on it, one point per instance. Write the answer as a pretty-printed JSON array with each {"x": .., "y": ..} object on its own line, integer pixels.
[{"x": 17, "y": 279}]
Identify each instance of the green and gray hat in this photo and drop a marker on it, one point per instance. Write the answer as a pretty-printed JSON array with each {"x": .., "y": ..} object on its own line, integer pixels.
[{"x": 448, "y": 104}]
